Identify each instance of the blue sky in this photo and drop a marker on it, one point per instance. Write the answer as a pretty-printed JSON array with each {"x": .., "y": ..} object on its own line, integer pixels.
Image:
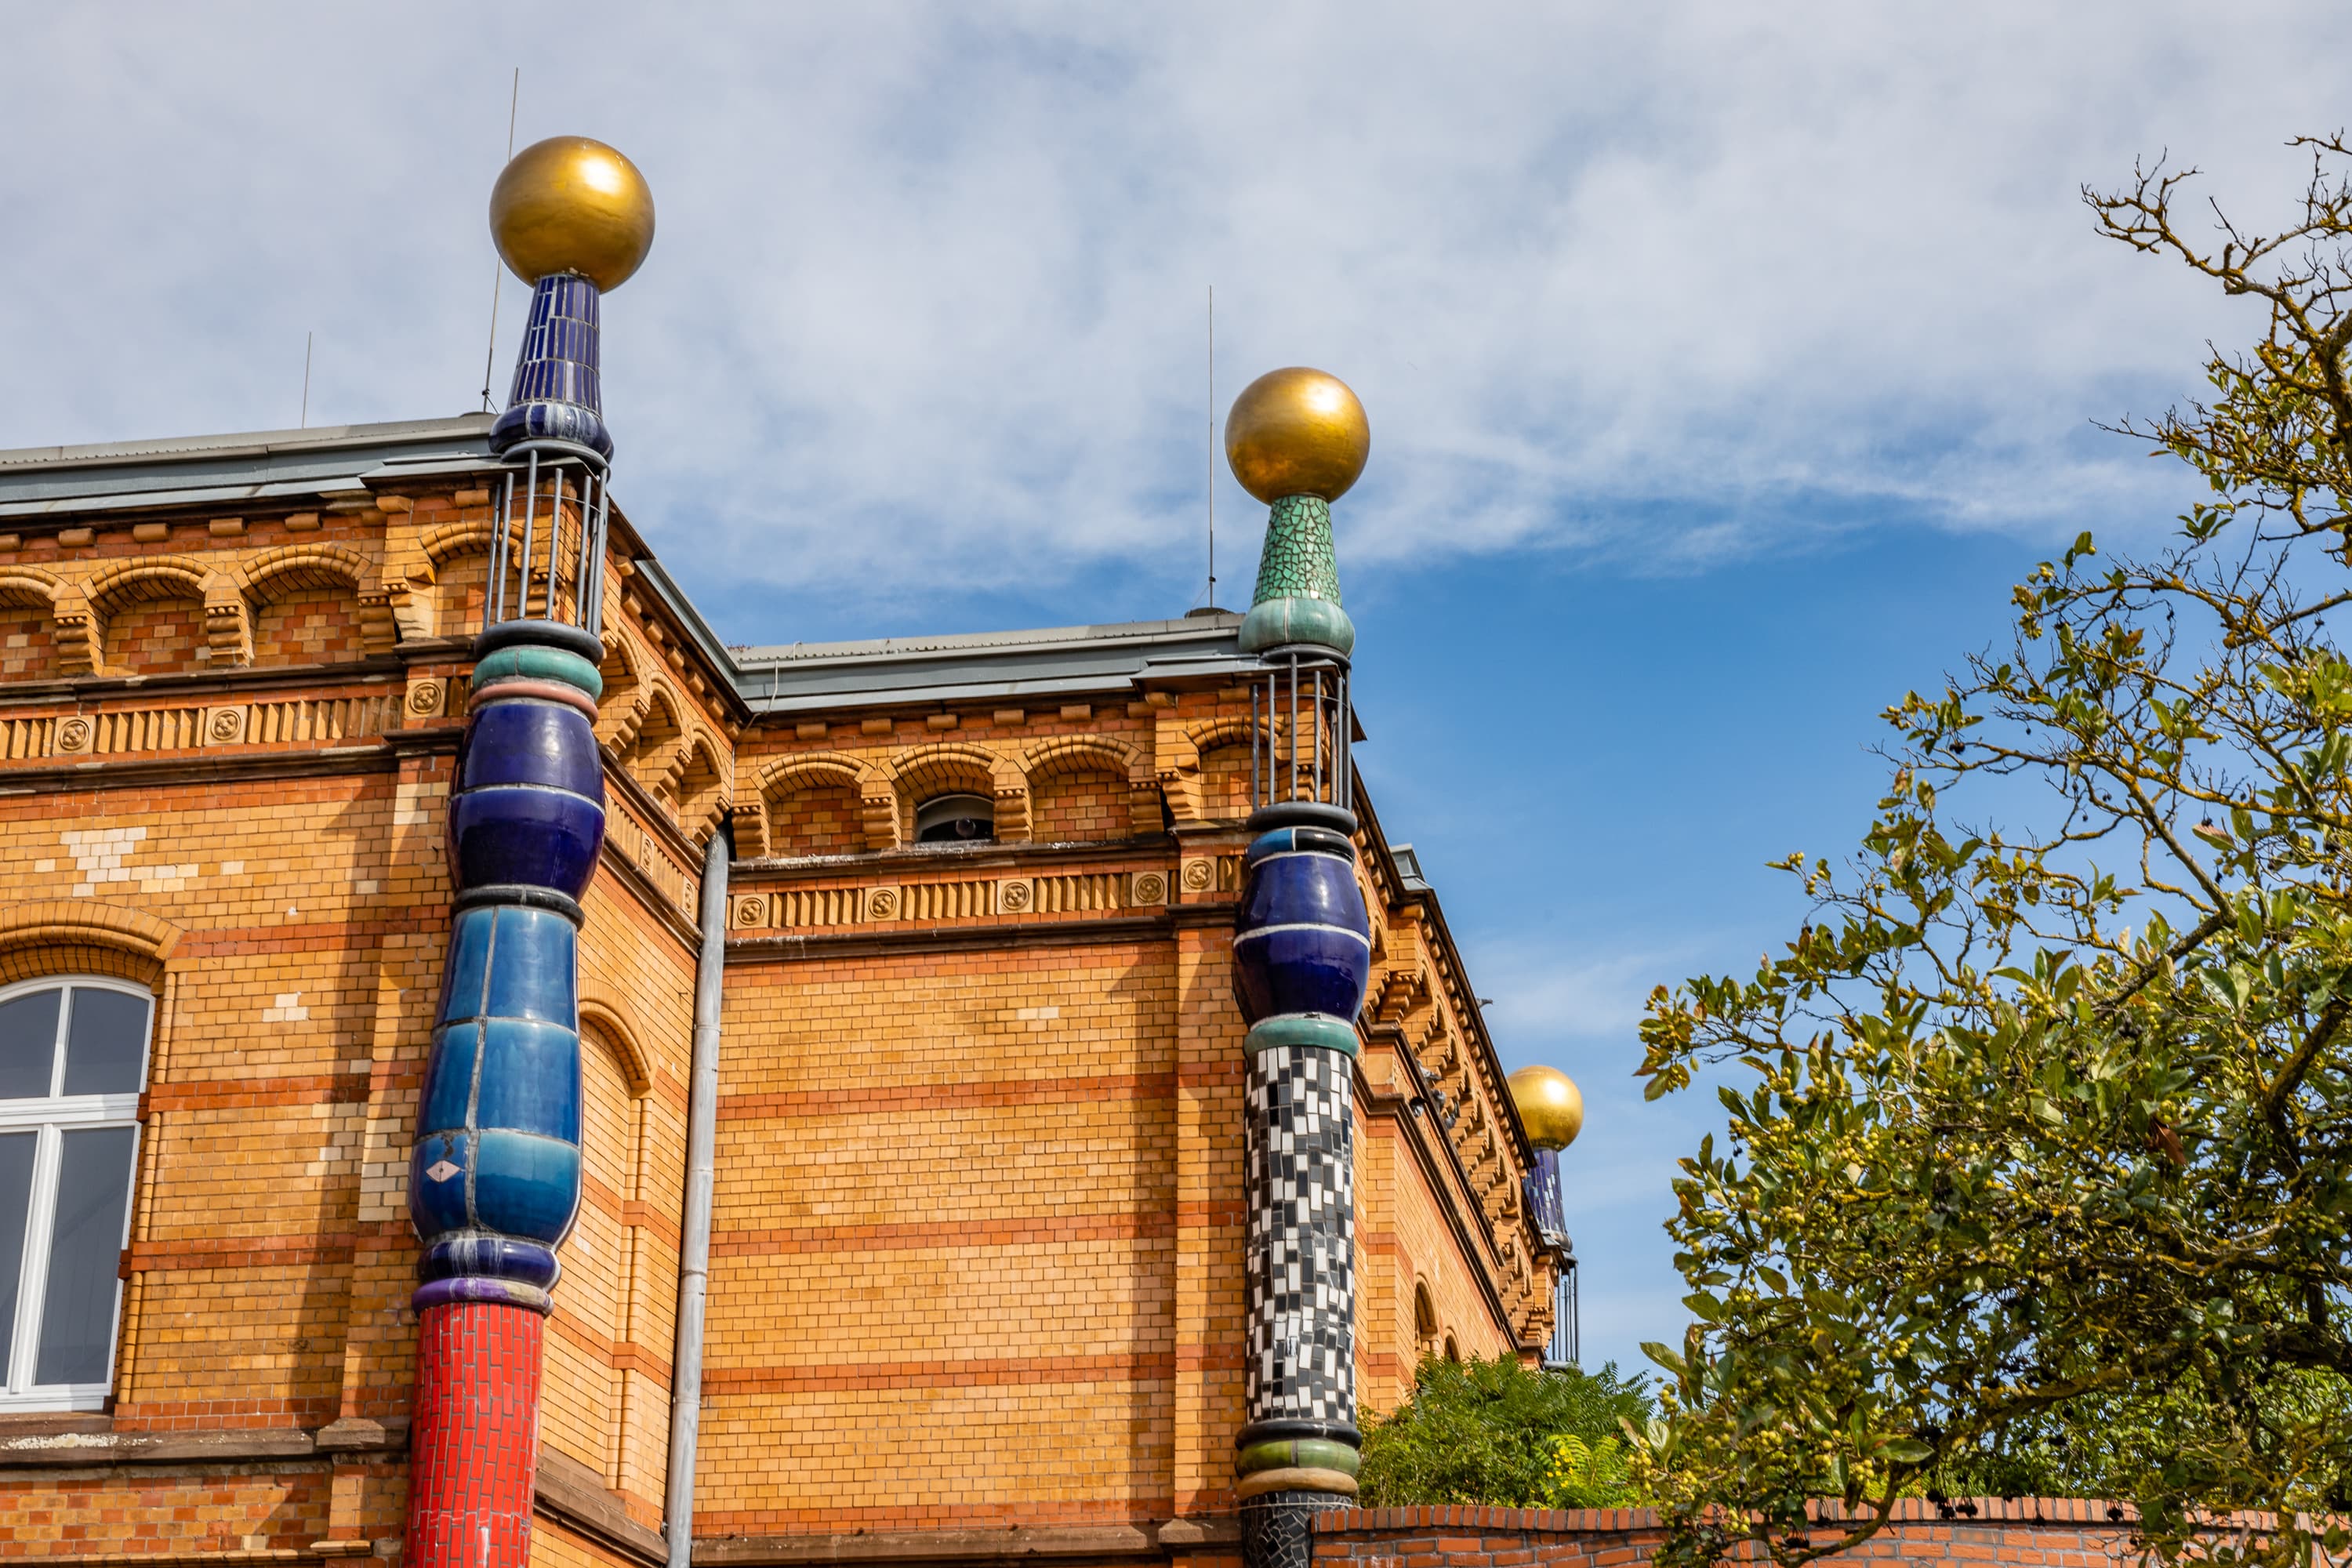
[{"x": 1725, "y": 364}]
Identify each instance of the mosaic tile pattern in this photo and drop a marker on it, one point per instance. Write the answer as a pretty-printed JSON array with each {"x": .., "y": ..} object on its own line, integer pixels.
[
  {"x": 1297, "y": 561},
  {"x": 558, "y": 390},
  {"x": 1299, "y": 1169},
  {"x": 473, "y": 1435},
  {"x": 1274, "y": 1527}
]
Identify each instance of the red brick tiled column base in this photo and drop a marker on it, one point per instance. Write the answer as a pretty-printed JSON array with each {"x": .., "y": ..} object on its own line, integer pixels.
[{"x": 474, "y": 1436}]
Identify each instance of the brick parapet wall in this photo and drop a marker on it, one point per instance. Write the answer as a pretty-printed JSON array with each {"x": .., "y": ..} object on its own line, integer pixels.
[{"x": 2050, "y": 1532}]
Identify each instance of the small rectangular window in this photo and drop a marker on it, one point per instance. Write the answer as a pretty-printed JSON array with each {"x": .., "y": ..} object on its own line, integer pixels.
[{"x": 73, "y": 1061}]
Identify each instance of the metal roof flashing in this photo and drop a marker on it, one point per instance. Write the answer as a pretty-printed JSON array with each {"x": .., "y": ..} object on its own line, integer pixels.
[
  {"x": 1059, "y": 661},
  {"x": 260, "y": 464}
]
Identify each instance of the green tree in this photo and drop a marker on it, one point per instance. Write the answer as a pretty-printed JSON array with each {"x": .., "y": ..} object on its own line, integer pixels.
[
  {"x": 2040, "y": 1154},
  {"x": 1499, "y": 1433}
]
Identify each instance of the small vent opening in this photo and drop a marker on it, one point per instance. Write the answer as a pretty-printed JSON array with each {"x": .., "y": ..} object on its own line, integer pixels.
[{"x": 955, "y": 819}]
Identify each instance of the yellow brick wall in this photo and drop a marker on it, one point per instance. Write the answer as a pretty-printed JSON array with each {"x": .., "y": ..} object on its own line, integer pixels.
[
  {"x": 161, "y": 638},
  {"x": 944, "y": 1226},
  {"x": 308, "y": 626},
  {"x": 1079, "y": 807},
  {"x": 28, "y": 644},
  {"x": 822, "y": 819}
]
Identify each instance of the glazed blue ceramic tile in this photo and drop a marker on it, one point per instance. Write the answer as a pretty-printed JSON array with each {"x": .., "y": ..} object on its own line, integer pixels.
[
  {"x": 1302, "y": 888},
  {"x": 536, "y": 974},
  {"x": 465, "y": 973},
  {"x": 514, "y": 833},
  {"x": 1300, "y": 970},
  {"x": 1283, "y": 840},
  {"x": 526, "y": 1185},
  {"x": 436, "y": 1203},
  {"x": 524, "y": 741},
  {"x": 530, "y": 1078},
  {"x": 449, "y": 1079},
  {"x": 494, "y": 1256}
]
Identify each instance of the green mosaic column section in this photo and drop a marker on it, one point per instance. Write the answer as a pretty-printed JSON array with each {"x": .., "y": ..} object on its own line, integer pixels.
[{"x": 1297, "y": 597}]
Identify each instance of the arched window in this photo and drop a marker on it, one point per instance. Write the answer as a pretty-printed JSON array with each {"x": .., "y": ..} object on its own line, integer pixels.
[{"x": 73, "y": 1058}]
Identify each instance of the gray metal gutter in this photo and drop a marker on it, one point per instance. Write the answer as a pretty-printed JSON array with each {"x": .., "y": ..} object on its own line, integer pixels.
[{"x": 694, "y": 1248}]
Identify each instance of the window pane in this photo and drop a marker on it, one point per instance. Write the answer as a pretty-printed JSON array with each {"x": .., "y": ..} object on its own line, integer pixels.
[
  {"x": 28, "y": 1045},
  {"x": 85, "y": 1251},
  {"x": 106, "y": 1042},
  {"x": 16, "y": 1201}
]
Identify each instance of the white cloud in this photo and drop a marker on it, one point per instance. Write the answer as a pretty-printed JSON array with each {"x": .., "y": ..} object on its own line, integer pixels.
[{"x": 927, "y": 297}]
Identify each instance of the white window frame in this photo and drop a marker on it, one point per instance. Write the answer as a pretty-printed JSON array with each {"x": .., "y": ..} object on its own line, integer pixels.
[{"x": 51, "y": 1118}]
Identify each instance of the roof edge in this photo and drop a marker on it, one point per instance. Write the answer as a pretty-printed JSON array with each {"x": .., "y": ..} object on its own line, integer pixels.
[{"x": 244, "y": 443}]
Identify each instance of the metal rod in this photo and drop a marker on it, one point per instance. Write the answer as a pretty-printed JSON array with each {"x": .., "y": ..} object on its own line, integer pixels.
[
  {"x": 580, "y": 577},
  {"x": 558, "y": 491},
  {"x": 1255, "y": 741},
  {"x": 529, "y": 522},
  {"x": 1293, "y": 729},
  {"x": 597, "y": 556},
  {"x": 494, "y": 601},
  {"x": 701, "y": 1163},
  {"x": 1315, "y": 740}
]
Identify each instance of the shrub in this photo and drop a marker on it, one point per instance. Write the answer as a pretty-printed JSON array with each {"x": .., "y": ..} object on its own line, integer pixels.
[{"x": 1499, "y": 1433}]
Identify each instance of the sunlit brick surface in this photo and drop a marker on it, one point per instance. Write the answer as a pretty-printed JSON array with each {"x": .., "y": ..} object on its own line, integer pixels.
[{"x": 979, "y": 1248}]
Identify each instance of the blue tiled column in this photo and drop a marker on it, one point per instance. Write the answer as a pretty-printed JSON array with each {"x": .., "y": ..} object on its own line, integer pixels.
[{"x": 494, "y": 1181}]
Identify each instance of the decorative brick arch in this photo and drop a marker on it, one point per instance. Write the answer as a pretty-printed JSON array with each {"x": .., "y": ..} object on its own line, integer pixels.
[
  {"x": 228, "y": 622},
  {"x": 600, "y": 1012},
  {"x": 31, "y": 588},
  {"x": 1184, "y": 769},
  {"x": 623, "y": 707},
  {"x": 85, "y": 936},
  {"x": 877, "y": 801},
  {"x": 437, "y": 547},
  {"x": 444, "y": 541},
  {"x": 291, "y": 568},
  {"x": 921, "y": 772},
  {"x": 294, "y": 566},
  {"x": 1210, "y": 734},
  {"x": 1066, "y": 755},
  {"x": 701, "y": 806},
  {"x": 654, "y": 748}
]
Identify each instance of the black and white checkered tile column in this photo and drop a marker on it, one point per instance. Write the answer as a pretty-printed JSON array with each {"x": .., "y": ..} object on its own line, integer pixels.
[
  {"x": 1302, "y": 1290},
  {"x": 1301, "y": 1365}
]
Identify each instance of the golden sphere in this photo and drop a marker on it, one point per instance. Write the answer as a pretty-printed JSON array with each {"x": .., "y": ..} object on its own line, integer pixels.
[
  {"x": 1296, "y": 432},
  {"x": 571, "y": 204},
  {"x": 1550, "y": 1106}
]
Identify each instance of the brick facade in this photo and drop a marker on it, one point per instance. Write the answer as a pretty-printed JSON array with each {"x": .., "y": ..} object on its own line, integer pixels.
[{"x": 976, "y": 1281}]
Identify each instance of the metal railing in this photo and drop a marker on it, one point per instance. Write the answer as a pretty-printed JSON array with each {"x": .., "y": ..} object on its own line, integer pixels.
[
  {"x": 1564, "y": 1349},
  {"x": 1300, "y": 727},
  {"x": 547, "y": 553}
]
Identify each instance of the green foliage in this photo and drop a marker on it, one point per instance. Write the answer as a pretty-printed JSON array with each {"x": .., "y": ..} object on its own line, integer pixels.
[
  {"x": 2040, "y": 1165},
  {"x": 1498, "y": 1433}
]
